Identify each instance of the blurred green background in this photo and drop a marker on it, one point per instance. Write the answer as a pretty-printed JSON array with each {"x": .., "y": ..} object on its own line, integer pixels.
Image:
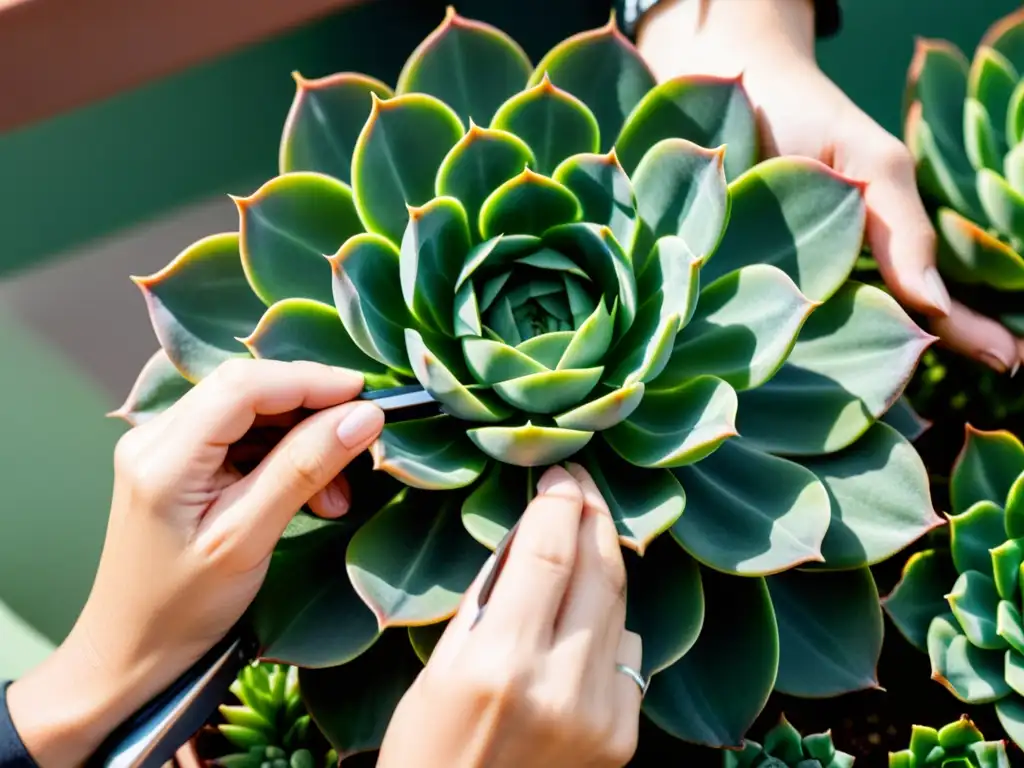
[{"x": 120, "y": 187}]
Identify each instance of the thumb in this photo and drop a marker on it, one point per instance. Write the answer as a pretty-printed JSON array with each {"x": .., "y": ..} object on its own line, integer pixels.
[
  {"x": 902, "y": 237},
  {"x": 307, "y": 459}
]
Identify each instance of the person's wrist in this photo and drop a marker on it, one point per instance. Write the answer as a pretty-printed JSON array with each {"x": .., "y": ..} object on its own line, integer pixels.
[{"x": 726, "y": 38}]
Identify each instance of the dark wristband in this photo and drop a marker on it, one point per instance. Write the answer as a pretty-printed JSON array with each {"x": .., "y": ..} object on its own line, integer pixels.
[
  {"x": 12, "y": 751},
  {"x": 828, "y": 17}
]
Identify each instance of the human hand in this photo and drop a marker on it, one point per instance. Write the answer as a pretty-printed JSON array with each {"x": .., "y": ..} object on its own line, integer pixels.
[
  {"x": 189, "y": 540},
  {"x": 535, "y": 681},
  {"x": 802, "y": 112}
]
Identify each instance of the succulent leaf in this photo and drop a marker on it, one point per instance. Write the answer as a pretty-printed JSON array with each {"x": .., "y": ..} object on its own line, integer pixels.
[
  {"x": 973, "y": 601},
  {"x": 324, "y": 122},
  {"x": 397, "y": 157},
  {"x": 708, "y": 111},
  {"x": 424, "y": 639},
  {"x": 1006, "y": 562},
  {"x": 991, "y": 80},
  {"x": 798, "y": 215},
  {"x": 1006, "y": 37},
  {"x": 1002, "y": 204},
  {"x": 604, "y": 411},
  {"x": 478, "y": 164},
  {"x": 986, "y": 469},
  {"x": 826, "y": 397},
  {"x": 774, "y": 519},
  {"x": 471, "y": 66},
  {"x": 665, "y": 603},
  {"x": 528, "y": 204},
  {"x": 432, "y": 454},
  {"x": 286, "y": 229},
  {"x": 973, "y": 533},
  {"x": 495, "y": 504},
  {"x": 604, "y": 190},
  {"x": 555, "y": 124},
  {"x": 980, "y": 138},
  {"x": 1010, "y": 712},
  {"x": 200, "y": 303},
  {"x": 548, "y": 392},
  {"x": 973, "y": 675},
  {"x": 158, "y": 386},
  {"x": 412, "y": 560},
  {"x": 604, "y": 70},
  {"x": 969, "y": 254},
  {"x": 904, "y": 419},
  {"x": 529, "y": 445},
  {"x": 713, "y": 694}
]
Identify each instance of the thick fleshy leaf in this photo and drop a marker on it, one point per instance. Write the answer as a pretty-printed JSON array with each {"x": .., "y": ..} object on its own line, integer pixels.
[
  {"x": 397, "y": 157},
  {"x": 324, "y": 122},
  {"x": 644, "y": 503},
  {"x": 991, "y": 81},
  {"x": 945, "y": 175},
  {"x": 601, "y": 67},
  {"x": 881, "y": 501},
  {"x": 680, "y": 190},
  {"x": 744, "y": 327},
  {"x": 200, "y": 303},
  {"x": 986, "y": 468},
  {"x": 478, "y": 164},
  {"x": 470, "y": 66},
  {"x": 980, "y": 137},
  {"x": 1006, "y": 562},
  {"x": 603, "y": 412},
  {"x": 492, "y": 361},
  {"x": 1015, "y": 509},
  {"x": 591, "y": 340},
  {"x": 373, "y": 685},
  {"x": 920, "y": 595},
  {"x": 411, "y": 562},
  {"x": 715, "y": 692},
  {"x": 973, "y": 601},
  {"x": 548, "y": 348},
  {"x": 286, "y": 229},
  {"x": 549, "y": 391},
  {"x": 969, "y": 254},
  {"x": 424, "y": 639},
  {"x": 830, "y": 632},
  {"x": 434, "y": 249},
  {"x": 433, "y": 454},
  {"x": 1010, "y": 712},
  {"x": 709, "y": 111},
  {"x": 854, "y": 356},
  {"x": 494, "y": 506},
  {"x": 443, "y": 385},
  {"x": 973, "y": 533},
  {"x": 750, "y": 513},
  {"x": 368, "y": 296},
  {"x": 904, "y": 419},
  {"x": 158, "y": 386},
  {"x": 675, "y": 427},
  {"x": 303, "y": 329},
  {"x": 973, "y": 675},
  {"x": 554, "y": 123},
  {"x": 1006, "y": 37},
  {"x": 1003, "y": 205},
  {"x": 604, "y": 191},
  {"x": 664, "y": 603},
  {"x": 528, "y": 204},
  {"x": 649, "y": 341},
  {"x": 796, "y": 214},
  {"x": 490, "y": 260},
  {"x": 529, "y": 445},
  {"x": 307, "y": 613}
]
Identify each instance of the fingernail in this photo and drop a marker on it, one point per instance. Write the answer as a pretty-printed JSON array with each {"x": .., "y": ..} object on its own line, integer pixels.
[
  {"x": 1016, "y": 367},
  {"x": 361, "y": 422},
  {"x": 995, "y": 359},
  {"x": 936, "y": 291}
]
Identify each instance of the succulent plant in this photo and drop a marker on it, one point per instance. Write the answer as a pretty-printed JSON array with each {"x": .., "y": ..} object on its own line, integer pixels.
[
  {"x": 957, "y": 745},
  {"x": 964, "y": 123},
  {"x": 961, "y": 603},
  {"x": 784, "y": 747},
  {"x": 269, "y": 724},
  {"x": 577, "y": 263}
]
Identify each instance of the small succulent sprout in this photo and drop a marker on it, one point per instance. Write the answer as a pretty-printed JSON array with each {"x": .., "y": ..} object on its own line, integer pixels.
[
  {"x": 784, "y": 747},
  {"x": 957, "y": 745},
  {"x": 964, "y": 123},
  {"x": 595, "y": 269},
  {"x": 962, "y": 603}
]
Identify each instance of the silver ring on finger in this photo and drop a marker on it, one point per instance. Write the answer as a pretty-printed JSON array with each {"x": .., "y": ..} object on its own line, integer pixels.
[{"x": 635, "y": 676}]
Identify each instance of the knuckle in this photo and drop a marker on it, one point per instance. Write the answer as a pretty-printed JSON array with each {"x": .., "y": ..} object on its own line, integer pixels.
[
  {"x": 306, "y": 466},
  {"x": 491, "y": 682},
  {"x": 137, "y": 467},
  {"x": 893, "y": 157},
  {"x": 233, "y": 373}
]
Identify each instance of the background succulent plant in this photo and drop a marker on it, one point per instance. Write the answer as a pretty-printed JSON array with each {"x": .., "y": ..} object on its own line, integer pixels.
[
  {"x": 784, "y": 747},
  {"x": 603, "y": 272},
  {"x": 965, "y": 125},
  {"x": 961, "y": 603},
  {"x": 957, "y": 744}
]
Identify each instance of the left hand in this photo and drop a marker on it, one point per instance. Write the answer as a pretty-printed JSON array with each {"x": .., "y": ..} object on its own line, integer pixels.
[
  {"x": 190, "y": 538},
  {"x": 802, "y": 112}
]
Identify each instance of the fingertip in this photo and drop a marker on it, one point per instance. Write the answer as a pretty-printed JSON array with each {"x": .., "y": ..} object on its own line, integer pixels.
[
  {"x": 591, "y": 492},
  {"x": 360, "y": 424},
  {"x": 330, "y": 503},
  {"x": 556, "y": 481}
]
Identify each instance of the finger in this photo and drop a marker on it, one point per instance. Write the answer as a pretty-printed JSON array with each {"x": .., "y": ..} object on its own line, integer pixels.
[
  {"x": 899, "y": 232},
  {"x": 334, "y": 500},
  {"x": 221, "y": 408},
  {"x": 258, "y": 508},
  {"x": 628, "y": 695},
  {"x": 455, "y": 634},
  {"x": 529, "y": 593},
  {"x": 978, "y": 337}
]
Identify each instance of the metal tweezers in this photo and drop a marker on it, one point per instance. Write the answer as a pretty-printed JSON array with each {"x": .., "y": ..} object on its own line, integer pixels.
[{"x": 152, "y": 735}]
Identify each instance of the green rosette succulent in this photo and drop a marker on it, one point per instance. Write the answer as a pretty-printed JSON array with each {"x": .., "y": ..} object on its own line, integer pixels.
[
  {"x": 784, "y": 747},
  {"x": 961, "y": 603},
  {"x": 964, "y": 124},
  {"x": 579, "y": 264},
  {"x": 957, "y": 745}
]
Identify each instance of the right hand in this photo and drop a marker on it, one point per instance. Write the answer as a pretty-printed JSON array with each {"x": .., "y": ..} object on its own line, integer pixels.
[{"x": 535, "y": 681}]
